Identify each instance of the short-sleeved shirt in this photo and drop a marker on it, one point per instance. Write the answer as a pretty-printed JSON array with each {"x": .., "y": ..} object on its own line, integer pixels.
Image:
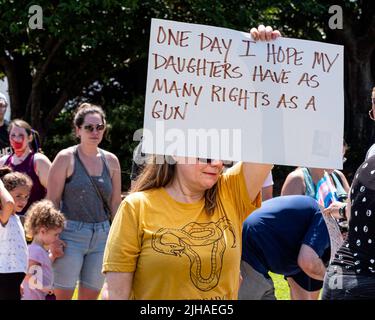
[
  {"x": 272, "y": 235},
  {"x": 177, "y": 250},
  {"x": 42, "y": 273},
  {"x": 13, "y": 247}
]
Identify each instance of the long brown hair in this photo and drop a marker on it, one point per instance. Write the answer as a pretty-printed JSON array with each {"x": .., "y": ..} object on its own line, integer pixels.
[{"x": 155, "y": 175}]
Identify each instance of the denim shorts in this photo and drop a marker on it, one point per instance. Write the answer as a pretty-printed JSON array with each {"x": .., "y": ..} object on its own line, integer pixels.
[{"x": 83, "y": 255}]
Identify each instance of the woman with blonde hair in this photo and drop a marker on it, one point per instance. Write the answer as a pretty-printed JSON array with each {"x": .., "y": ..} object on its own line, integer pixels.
[{"x": 178, "y": 234}]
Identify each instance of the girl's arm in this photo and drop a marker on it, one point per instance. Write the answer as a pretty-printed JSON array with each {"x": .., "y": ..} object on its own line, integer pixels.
[{"x": 7, "y": 204}]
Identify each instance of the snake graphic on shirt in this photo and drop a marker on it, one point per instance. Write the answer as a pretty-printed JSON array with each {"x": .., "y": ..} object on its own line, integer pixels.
[{"x": 189, "y": 240}]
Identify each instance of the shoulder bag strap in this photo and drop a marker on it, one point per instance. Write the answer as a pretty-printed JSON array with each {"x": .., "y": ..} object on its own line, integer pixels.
[{"x": 105, "y": 204}]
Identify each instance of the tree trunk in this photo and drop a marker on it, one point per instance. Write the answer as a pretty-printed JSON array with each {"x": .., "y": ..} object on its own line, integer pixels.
[
  {"x": 358, "y": 125},
  {"x": 359, "y": 48},
  {"x": 18, "y": 83}
]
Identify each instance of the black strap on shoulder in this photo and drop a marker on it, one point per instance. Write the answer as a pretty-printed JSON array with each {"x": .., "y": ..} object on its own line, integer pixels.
[{"x": 107, "y": 209}]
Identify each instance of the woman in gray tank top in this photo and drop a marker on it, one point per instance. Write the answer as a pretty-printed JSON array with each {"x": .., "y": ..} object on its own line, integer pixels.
[{"x": 85, "y": 184}]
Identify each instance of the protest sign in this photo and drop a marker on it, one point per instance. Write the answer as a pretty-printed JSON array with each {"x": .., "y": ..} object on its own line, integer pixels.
[{"x": 216, "y": 93}]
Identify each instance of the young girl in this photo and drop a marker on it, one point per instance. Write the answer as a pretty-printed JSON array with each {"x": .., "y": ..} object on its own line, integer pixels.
[
  {"x": 27, "y": 158},
  {"x": 14, "y": 192},
  {"x": 44, "y": 224}
]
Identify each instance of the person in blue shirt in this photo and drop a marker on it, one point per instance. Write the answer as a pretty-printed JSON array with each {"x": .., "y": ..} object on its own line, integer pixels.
[{"x": 286, "y": 236}]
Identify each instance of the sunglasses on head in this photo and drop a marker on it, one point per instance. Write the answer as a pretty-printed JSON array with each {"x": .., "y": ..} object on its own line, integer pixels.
[
  {"x": 226, "y": 164},
  {"x": 91, "y": 127}
]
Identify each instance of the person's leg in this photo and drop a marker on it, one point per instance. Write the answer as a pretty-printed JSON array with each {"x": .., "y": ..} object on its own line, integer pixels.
[
  {"x": 64, "y": 294},
  {"x": 10, "y": 285},
  {"x": 87, "y": 294},
  {"x": 302, "y": 287},
  {"x": 67, "y": 269},
  {"x": 255, "y": 286},
  {"x": 92, "y": 279},
  {"x": 311, "y": 263},
  {"x": 299, "y": 293}
]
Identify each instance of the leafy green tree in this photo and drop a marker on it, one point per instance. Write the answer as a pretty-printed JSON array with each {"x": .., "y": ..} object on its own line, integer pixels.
[{"x": 81, "y": 42}]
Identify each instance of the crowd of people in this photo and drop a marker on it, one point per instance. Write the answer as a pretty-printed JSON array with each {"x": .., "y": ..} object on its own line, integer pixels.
[{"x": 188, "y": 229}]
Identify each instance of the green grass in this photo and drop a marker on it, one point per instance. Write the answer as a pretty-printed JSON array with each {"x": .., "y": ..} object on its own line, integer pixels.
[{"x": 281, "y": 287}]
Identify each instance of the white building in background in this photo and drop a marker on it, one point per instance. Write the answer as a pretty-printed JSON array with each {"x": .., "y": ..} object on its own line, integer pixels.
[{"x": 4, "y": 90}]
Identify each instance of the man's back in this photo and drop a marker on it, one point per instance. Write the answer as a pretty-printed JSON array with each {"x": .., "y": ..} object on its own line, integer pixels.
[{"x": 273, "y": 235}]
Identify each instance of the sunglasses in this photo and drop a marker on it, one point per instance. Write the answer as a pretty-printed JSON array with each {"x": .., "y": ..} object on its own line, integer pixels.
[
  {"x": 91, "y": 127},
  {"x": 226, "y": 164}
]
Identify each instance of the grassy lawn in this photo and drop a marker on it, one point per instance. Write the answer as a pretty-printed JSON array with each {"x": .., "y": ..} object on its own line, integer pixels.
[{"x": 281, "y": 286}]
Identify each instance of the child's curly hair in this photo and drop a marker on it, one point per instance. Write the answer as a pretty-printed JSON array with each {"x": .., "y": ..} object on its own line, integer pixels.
[
  {"x": 13, "y": 179},
  {"x": 43, "y": 214}
]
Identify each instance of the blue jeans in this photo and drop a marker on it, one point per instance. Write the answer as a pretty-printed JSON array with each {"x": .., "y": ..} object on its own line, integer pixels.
[
  {"x": 83, "y": 255},
  {"x": 338, "y": 286}
]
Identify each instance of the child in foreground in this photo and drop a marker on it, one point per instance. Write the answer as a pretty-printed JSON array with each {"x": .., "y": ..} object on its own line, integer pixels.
[
  {"x": 44, "y": 224},
  {"x": 14, "y": 192}
]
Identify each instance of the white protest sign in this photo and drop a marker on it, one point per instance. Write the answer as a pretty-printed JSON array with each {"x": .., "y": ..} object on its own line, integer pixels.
[{"x": 215, "y": 93}]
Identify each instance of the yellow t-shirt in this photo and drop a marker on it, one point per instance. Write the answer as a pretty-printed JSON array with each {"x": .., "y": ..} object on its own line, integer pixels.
[{"x": 176, "y": 250}]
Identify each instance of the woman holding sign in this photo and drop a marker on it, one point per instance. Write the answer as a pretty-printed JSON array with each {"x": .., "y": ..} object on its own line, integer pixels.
[{"x": 178, "y": 234}]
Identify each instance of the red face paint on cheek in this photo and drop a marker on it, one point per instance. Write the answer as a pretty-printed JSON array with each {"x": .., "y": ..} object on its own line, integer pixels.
[{"x": 16, "y": 145}]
